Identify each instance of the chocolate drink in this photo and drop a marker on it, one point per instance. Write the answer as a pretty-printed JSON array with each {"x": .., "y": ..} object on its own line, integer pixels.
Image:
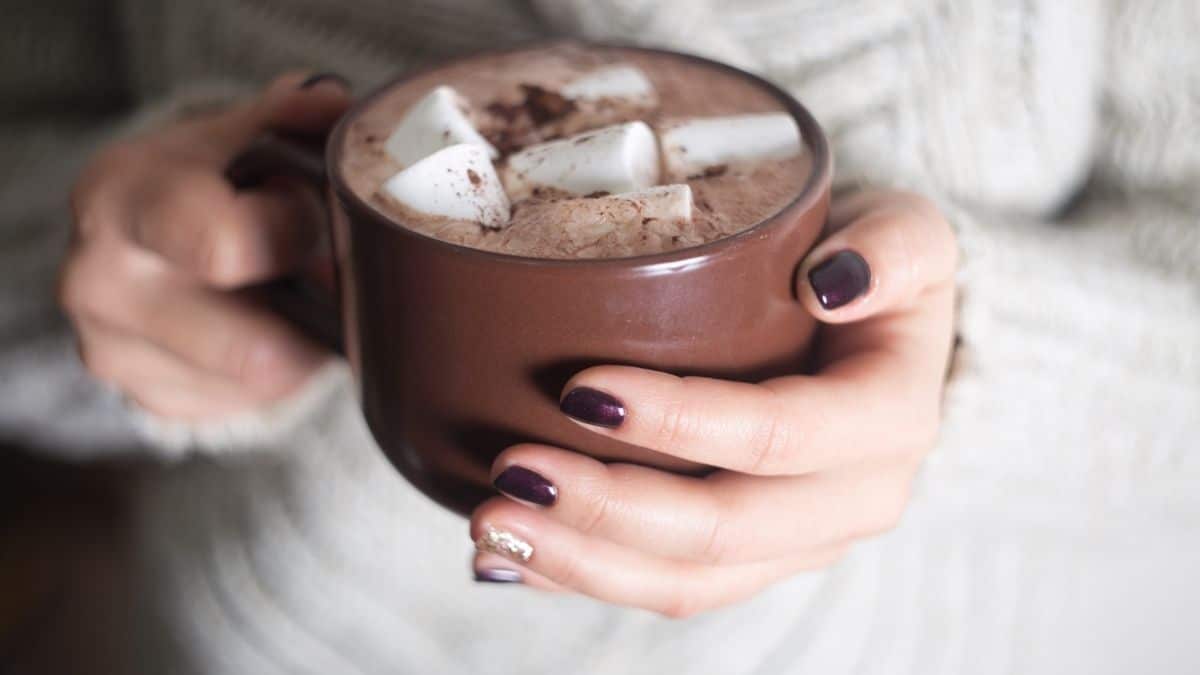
[
  {"x": 519, "y": 101},
  {"x": 462, "y": 334}
]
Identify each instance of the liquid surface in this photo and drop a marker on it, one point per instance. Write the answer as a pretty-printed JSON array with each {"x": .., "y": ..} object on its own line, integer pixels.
[{"x": 727, "y": 199}]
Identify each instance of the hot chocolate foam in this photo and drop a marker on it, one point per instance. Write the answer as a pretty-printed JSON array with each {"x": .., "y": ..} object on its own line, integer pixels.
[{"x": 544, "y": 94}]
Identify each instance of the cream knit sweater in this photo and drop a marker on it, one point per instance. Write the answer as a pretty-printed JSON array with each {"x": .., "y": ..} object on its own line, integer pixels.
[{"x": 1055, "y": 530}]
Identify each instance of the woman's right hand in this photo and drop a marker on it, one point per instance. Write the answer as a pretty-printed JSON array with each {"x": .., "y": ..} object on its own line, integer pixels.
[{"x": 162, "y": 243}]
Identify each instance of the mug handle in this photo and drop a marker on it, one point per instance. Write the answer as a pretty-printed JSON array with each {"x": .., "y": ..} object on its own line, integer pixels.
[{"x": 303, "y": 301}]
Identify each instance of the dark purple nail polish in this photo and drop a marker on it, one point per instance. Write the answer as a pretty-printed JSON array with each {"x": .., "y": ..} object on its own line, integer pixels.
[
  {"x": 498, "y": 575},
  {"x": 593, "y": 407},
  {"x": 526, "y": 485},
  {"x": 317, "y": 78},
  {"x": 840, "y": 279}
]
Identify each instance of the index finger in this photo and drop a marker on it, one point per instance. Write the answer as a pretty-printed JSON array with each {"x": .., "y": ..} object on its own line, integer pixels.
[
  {"x": 881, "y": 395},
  {"x": 297, "y": 102}
]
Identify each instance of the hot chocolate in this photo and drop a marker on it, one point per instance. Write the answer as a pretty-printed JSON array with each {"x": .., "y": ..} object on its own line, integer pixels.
[{"x": 567, "y": 151}]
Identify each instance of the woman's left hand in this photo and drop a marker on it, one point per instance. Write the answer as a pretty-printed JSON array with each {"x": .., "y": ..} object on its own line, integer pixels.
[{"x": 807, "y": 464}]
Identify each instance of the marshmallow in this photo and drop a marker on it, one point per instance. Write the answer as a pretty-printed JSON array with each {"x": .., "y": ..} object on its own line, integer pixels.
[
  {"x": 619, "y": 82},
  {"x": 457, "y": 182},
  {"x": 667, "y": 203},
  {"x": 645, "y": 221},
  {"x": 619, "y": 158},
  {"x": 671, "y": 203},
  {"x": 437, "y": 121},
  {"x": 691, "y": 146}
]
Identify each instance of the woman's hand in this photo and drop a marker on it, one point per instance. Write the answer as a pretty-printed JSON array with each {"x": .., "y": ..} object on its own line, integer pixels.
[
  {"x": 808, "y": 464},
  {"x": 162, "y": 243}
]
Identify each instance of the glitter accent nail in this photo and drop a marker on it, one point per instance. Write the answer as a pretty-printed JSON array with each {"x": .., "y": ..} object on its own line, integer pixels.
[{"x": 504, "y": 543}]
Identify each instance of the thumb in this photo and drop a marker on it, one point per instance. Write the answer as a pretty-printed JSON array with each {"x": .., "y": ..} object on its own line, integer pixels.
[
  {"x": 298, "y": 102},
  {"x": 894, "y": 247}
]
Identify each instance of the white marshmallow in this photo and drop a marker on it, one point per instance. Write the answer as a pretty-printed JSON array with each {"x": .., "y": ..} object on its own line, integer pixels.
[
  {"x": 691, "y": 146},
  {"x": 618, "y": 158},
  {"x": 645, "y": 221},
  {"x": 436, "y": 121},
  {"x": 620, "y": 82},
  {"x": 671, "y": 203},
  {"x": 457, "y": 182},
  {"x": 668, "y": 204}
]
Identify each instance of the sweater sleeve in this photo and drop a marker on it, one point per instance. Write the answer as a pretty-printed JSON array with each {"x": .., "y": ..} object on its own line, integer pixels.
[
  {"x": 50, "y": 403},
  {"x": 1151, "y": 99},
  {"x": 61, "y": 105},
  {"x": 63, "y": 88},
  {"x": 684, "y": 25},
  {"x": 1151, "y": 153}
]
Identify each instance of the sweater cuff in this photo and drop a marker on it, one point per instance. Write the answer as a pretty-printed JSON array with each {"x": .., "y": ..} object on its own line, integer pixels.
[{"x": 266, "y": 429}]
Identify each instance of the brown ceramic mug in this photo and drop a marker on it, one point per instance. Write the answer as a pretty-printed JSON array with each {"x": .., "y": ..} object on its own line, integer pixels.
[{"x": 460, "y": 352}]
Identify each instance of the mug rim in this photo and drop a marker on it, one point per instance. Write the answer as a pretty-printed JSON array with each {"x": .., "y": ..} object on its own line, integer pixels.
[{"x": 815, "y": 186}]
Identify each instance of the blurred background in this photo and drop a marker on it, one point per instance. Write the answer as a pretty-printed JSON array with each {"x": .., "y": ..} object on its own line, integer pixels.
[
  {"x": 64, "y": 576},
  {"x": 1069, "y": 456}
]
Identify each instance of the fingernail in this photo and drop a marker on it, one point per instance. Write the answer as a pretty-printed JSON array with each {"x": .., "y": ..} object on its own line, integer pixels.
[
  {"x": 317, "y": 78},
  {"x": 840, "y": 279},
  {"x": 526, "y": 485},
  {"x": 497, "y": 575},
  {"x": 593, "y": 407},
  {"x": 504, "y": 543}
]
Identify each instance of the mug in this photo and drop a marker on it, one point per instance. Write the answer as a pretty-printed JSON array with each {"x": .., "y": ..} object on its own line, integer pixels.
[{"x": 459, "y": 353}]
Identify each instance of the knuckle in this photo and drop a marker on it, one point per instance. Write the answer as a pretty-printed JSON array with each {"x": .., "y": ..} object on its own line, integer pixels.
[
  {"x": 886, "y": 516},
  {"x": 569, "y": 572},
  {"x": 717, "y": 543},
  {"x": 771, "y": 438},
  {"x": 930, "y": 231},
  {"x": 238, "y": 357},
  {"x": 597, "y": 512},
  {"x": 199, "y": 229},
  {"x": 98, "y": 282},
  {"x": 223, "y": 260},
  {"x": 210, "y": 250},
  {"x": 81, "y": 290},
  {"x": 676, "y": 426},
  {"x": 904, "y": 242},
  {"x": 679, "y": 607},
  {"x": 72, "y": 293},
  {"x": 100, "y": 362}
]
